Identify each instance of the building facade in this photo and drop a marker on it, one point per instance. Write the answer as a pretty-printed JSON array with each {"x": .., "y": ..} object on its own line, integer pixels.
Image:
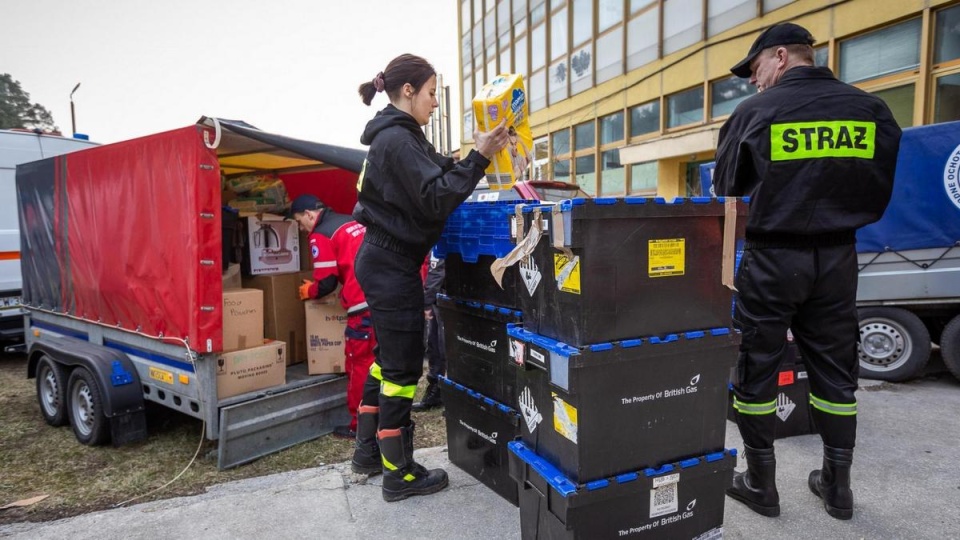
[{"x": 627, "y": 96}]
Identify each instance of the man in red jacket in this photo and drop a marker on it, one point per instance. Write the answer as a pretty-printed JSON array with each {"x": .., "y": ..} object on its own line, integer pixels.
[{"x": 334, "y": 241}]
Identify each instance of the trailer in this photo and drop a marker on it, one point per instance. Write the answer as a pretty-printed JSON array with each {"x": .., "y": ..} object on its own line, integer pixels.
[
  {"x": 908, "y": 292},
  {"x": 16, "y": 147},
  {"x": 122, "y": 258}
]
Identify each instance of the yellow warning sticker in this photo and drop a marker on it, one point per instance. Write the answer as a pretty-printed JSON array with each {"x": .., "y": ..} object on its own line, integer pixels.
[
  {"x": 666, "y": 257},
  {"x": 564, "y": 418},
  {"x": 567, "y": 272},
  {"x": 161, "y": 375}
]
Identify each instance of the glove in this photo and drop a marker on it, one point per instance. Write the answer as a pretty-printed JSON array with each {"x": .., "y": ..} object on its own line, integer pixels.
[{"x": 305, "y": 289}]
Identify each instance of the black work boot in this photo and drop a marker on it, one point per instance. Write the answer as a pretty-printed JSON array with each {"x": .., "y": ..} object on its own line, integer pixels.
[
  {"x": 431, "y": 398},
  {"x": 832, "y": 482},
  {"x": 366, "y": 455},
  {"x": 402, "y": 476},
  {"x": 756, "y": 487}
]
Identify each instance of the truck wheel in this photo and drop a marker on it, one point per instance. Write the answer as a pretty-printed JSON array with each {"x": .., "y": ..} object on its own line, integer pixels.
[
  {"x": 950, "y": 346},
  {"x": 86, "y": 408},
  {"x": 894, "y": 344},
  {"x": 51, "y": 391}
]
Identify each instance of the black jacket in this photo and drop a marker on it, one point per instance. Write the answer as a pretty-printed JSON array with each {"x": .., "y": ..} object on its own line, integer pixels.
[
  {"x": 434, "y": 281},
  {"x": 816, "y": 155},
  {"x": 407, "y": 189}
]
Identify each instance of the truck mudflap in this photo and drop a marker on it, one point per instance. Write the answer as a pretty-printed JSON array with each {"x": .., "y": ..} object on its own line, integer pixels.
[
  {"x": 251, "y": 429},
  {"x": 115, "y": 373}
]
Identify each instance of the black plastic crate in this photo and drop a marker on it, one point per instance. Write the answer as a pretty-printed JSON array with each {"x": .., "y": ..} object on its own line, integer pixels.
[
  {"x": 478, "y": 430},
  {"x": 794, "y": 416},
  {"x": 600, "y": 410},
  {"x": 473, "y": 281},
  {"x": 681, "y": 500},
  {"x": 634, "y": 266},
  {"x": 478, "y": 347}
]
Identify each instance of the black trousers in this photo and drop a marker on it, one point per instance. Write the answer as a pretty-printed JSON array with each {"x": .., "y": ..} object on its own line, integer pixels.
[
  {"x": 394, "y": 291},
  {"x": 436, "y": 354},
  {"x": 811, "y": 291}
]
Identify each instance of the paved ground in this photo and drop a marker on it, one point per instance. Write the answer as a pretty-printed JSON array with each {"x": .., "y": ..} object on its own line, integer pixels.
[{"x": 906, "y": 478}]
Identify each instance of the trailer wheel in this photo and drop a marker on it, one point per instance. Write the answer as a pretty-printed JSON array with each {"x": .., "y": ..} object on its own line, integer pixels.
[
  {"x": 950, "y": 346},
  {"x": 894, "y": 344},
  {"x": 52, "y": 391},
  {"x": 86, "y": 408}
]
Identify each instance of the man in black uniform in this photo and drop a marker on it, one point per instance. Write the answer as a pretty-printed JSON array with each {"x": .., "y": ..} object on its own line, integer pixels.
[{"x": 817, "y": 158}]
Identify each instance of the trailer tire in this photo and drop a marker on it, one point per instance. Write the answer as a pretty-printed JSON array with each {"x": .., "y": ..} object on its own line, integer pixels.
[
  {"x": 52, "y": 391},
  {"x": 950, "y": 346},
  {"x": 85, "y": 404},
  {"x": 894, "y": 344}
]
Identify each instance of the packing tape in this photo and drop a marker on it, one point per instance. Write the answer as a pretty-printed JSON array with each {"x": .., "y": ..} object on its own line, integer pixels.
[
  {"x": 728, "y": 260},
  {"x": 524, "y": 247}
]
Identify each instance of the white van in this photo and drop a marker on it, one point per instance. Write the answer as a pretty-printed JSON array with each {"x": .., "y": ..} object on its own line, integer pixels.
[{"x": 18, "y": 147}]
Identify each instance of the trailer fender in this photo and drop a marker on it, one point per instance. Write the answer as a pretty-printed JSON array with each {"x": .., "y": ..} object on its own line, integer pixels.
[{"x": 114, "y": 371}]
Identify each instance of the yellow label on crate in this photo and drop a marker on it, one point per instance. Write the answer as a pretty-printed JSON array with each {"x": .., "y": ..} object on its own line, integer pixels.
[
  {"x": 666, "y": 257},
  {"x": 567, "y": 273},
  {"x": 564, "y": 418},
  {"x": 161, "y": 375}
]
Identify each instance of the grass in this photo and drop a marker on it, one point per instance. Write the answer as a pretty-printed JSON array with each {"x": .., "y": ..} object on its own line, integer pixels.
[{"x": 38, "y": 459}]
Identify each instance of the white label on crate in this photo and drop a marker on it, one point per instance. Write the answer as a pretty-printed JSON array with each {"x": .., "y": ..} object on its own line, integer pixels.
[
  {"x": 663, "y": 500},
  {"x": 531, "y": 415},
  {"x": 785, "y": 407},
  {"x": 530, "y": 274},
  {"x": 665, "y": 480},
  {"x": 801, "y": 374},
  {"x": 516, "y": 351},
  {"x": 491, "y": 196},
  {"x": 536, "y": 355}
]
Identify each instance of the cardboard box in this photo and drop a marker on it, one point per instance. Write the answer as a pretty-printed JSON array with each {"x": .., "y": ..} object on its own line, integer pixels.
[
  {"x": 326, "y": 321},
  {"x": 249, "y": 370},
  {"x": 505, "y": 98},
  {"x": 283, "y": 314},
  {"x": 273, "y": 246},
  {"x": 242, "y": 318}
]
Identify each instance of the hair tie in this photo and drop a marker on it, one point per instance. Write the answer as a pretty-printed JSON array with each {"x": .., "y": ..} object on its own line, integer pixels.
[{"x": 378, "y": 82}]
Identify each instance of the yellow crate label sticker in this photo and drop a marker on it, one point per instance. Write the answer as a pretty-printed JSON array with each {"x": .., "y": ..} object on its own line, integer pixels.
[
  {"x": 161, "y": 375},
  {"x": 567, "y": 272},
  {"x": 564, "y": 418},
  {"x": 666, "y": 257}
]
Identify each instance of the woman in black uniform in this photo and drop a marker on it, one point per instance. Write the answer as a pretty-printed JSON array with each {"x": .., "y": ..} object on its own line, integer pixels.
[{"x": 407, "y": 191}]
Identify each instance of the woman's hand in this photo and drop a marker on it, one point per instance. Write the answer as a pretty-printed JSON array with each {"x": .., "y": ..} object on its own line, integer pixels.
[{"x": 491, "y": 142}]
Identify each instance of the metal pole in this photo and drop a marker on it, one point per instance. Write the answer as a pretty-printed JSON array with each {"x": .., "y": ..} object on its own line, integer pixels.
[
  {"x": 446, "y": 119},
  {"x": 73, "y": 116}
]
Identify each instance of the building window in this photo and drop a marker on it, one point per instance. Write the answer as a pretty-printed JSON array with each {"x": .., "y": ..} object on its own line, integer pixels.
[
  {"x": 538, "y": 12},
  {"x": 490, "y": 28},
  {"x": 468, "y": 125},
  {"x": 727, "y": 93},
  {"x": 645, "y": 119},
  {"x": 558, "y": 34},
  {"x": 584, "y": 136},
  {"x": 947, "y": 41},
  {"x": 900, "y": 101},
  {"x": 520, "y": 56},
  {"x": 642, "y": 37},
  {"x": 503, "y": 18},
  {"x": 477, "y": 9},
  {"x": 821, "y": 56},
  {"x": 519, "y": 16},
  {"x": 586, "y": 174},
  {"x": 465, "y": 16},
  {"x": 468, "y": 92},
  {"x": 477, "y": 39},
  {"x": 538, "y": 90},
  {"x": 610, "y": 55},
  {"x": 611, "y": 128},
  {"x": 613, "y": 177},
  {"x": 538, "y": 47},
  {"x": 492, "y": 68},
  {"x": 890, "y": 50},
  {"x": 609, "y": 14},
  {"x": 541, "y": 158},
  {"x": 682, "y": 24},
  {"x": 505, "y": 66},
  {"x": 947, "y": 104},
  {"x": 685, "y": 107},
  {"x": 560, "y": 142},
  {"x": 559, "y": 73},
  {"x": 582, "y": 21},
  {"x": 770, "y": 5},
  {"x": 643, "y": 178},
  {"x": 581, "y": 69},
  {"x": 561, "y": 170},
  {"x": 725, "y": 14}
]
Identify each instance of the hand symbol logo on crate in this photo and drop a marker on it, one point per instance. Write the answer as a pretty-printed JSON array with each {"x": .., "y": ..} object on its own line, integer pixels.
[
  {"x": 784, "y": 406},
  {"x": 531, "y": 415}
]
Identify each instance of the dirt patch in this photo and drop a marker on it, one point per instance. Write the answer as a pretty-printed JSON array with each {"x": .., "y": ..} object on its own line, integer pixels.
[{"x": 42, "y": 460}]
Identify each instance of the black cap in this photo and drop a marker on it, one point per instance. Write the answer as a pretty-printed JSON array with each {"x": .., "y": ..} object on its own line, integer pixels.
[
  {"x": 778, "y": 34},
  {"x": 303, "y": 203}
]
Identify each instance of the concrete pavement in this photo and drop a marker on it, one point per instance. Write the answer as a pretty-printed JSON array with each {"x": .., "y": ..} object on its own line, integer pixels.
[{"x": 906, "y": 480}]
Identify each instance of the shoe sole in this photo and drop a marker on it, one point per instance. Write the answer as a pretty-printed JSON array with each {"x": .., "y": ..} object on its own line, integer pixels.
[
  {"x": 369, "y": 471},
  {"x": 394, "y": 496},
  {"x": 768, "y": 511}
]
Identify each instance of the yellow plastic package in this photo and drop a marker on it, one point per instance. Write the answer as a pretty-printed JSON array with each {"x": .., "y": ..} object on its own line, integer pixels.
[{"x": 505, "y": 97}]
